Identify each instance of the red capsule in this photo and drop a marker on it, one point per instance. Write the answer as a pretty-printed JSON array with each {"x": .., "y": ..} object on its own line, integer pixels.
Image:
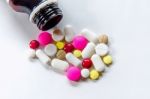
[
  {"x": 87, "y": 63},
  {"x": 68, "y": 47},
  {"x": 34, "y": 44}
]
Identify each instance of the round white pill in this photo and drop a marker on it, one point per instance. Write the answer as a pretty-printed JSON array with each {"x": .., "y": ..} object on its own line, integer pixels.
[
  {"x": 50, "y": 50},
  {"x": 57, "y": 35},
  {"x": 85, "y": 73},
  {"x": 102, "y": 49},
  {"x": 31, "y": 54}
]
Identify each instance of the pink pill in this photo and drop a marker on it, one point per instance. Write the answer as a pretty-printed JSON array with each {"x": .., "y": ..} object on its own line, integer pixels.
[
  {"x": 74, "y": 73},
  {"x": 79, "y": 42},
  {"x": 45, "y": 38}
]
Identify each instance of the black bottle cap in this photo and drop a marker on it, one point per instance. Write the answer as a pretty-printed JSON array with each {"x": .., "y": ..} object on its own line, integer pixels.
[{"x": 48, "y": 17}]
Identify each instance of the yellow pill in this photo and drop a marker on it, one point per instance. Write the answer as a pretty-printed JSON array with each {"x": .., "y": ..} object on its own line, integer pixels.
[
  {"x": 60, "y": 45},
  {"x": 77, "y": 53},
  {"x": 94, "y": 75},
  {"x": 107, "y": 60}
]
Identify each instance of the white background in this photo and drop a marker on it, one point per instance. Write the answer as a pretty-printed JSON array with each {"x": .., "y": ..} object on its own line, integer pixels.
[{"x": 126, "y": 21}]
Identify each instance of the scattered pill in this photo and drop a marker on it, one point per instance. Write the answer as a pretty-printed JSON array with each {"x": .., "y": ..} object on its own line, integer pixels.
[
  {"x": 34, "y": 44},
  {"x": 77, "y": 53},
  {"x": 72, "y": 59},
  {"x": 69, "y": 33},
  {"x": 61, "y": 54},
  {"x": 31, "y": 54},
  {"x": 98, "y": 63},
  {"x": 89, "y": 50},
  {"x": 87, "y": 63},
  {"x": 103, "y": 39},
  {"x": 50, "y": 50},
  {"x": 57, "y": 35},
  {"x": 85, "y": 73},
  {"x": 59, "y": 65},
  {"x": 102, "y": 49},
  {"x": 74, "y": 73},
  {"x": 79, "y": 42},
  {"x": 92, "y": 37},
  {"x": 68, "y": 47},
  {"x": 42, "y": 57},
  {"x": 60, "y": 45},
  {"x": 45, "y": 38},
  {"x": 107, "y": 60},
  {"x": 94, "y": 75}
]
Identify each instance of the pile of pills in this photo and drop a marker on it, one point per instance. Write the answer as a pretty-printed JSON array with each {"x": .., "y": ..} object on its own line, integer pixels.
[{"x": 81, "y": 56}]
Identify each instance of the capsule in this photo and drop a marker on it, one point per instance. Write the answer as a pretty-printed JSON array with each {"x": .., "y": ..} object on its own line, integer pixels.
[
  {"x": 73, "y": 60},
  {"x": 89, "y": 35},
  {"x": 89, "y": 50},
  {"x": 59, "y": 65},
  {"x": 69, "y": 33},
  {"x": 98, "y": 63},
  {"x": 42, "y": 57}
]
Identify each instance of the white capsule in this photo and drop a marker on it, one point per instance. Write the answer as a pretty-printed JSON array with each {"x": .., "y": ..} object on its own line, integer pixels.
[
  {"x": 50, "y": 50},
  {"x": 57, "y": 35},
  {"x": 59, "y": 65},
  {"x": 31, "y": 54},
  {"x": 85, "y": 73},
  {"x": 89, "y": 50},
  {"x": 72, "y": 59},
  {"x": 69, "y": 33},
  {"x": 42, "y": 57},
  {"x": 92, "y": 37},
  {"x": 102, "y": 49},
  {"x": 98, "y": 63}
]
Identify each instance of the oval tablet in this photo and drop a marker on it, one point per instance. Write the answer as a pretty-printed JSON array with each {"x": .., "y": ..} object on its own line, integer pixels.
[
  {"x": 102, "y": 49},
  {"x": 42, "y": 57},
  {"x": 92, "y": 37},
  {"x": 89, "y": 50},
  {"x": 69, "y": 33},
  {"x": 73, "y": 60},
  {"x": 57, "y": 35},
  {"x": 50, "y": 50},
  {"x": 59, "y": 65},
  {"x": 98, "y": 63}
]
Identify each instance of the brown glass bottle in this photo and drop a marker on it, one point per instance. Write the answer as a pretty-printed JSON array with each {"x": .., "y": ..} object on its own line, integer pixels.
[{"x": 44, "y": 13}]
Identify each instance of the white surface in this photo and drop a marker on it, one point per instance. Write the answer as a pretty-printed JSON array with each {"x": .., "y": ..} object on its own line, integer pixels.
[{"x": 126, "y": 21}]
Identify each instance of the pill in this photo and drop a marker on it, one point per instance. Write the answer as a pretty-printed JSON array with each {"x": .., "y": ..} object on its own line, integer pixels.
[
  {"x": 60, "y": 45},
  {"x": 34, "y": 44},
  {"x": 72, "y": 59},
  {"x": 94, "y": 75},
  {"x": 102, "y": 49},
  {"x": 87, "y": 63},
  {"x": 61, "y": 54},
  {"x": 79, "y": 42},
  {"x": 50, "y": 50},
  {"x": 42, "y": 57},
  {"x": 68, "y": 47},
  {"x": 98, "y": 63},
  {"x": 59, "y": 65},
  {"x": 74, "y": 73},
  {"x": 77, "y": 53},
  {"x": 92, "y": 37},
  {"x": 45, "y": 38},
  {"x": 57, "y": 35},
  {"x": 69, "y": 33},
  {"x": 85, "y": 73},
  {"x": 89, "y": 50},
  {"x": 31, "y": 54},
  {"x": 107, "y": 59},
  {"x": 103, "y": 39}
]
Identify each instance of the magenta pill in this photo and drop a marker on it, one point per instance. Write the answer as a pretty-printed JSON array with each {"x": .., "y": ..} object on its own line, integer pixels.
[
  {"x": 45, "y": 38},
  {"x": 73, "y": 73},
  {"x": 79, "y": 42}
]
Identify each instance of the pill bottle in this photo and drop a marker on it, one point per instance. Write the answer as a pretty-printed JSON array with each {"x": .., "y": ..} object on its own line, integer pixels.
[{"x": 44, "y": 13}]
